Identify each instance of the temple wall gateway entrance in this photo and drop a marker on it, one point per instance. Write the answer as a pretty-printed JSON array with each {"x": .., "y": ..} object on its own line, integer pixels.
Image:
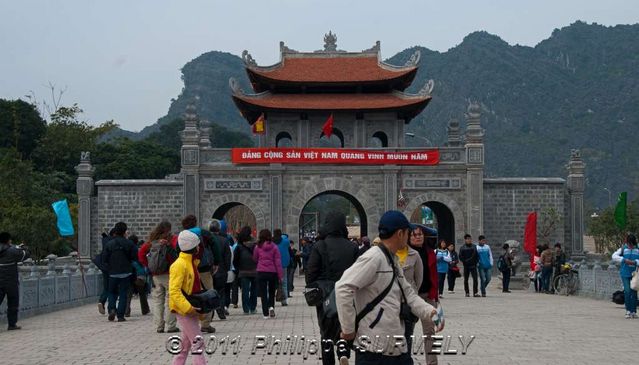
[{"x": 365, "y": 101}]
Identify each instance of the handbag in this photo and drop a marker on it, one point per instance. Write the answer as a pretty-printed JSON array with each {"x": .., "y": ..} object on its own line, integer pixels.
[
  {"x": 634, "y": 282},
  {"x": 207, "y": 300},
  {"x": 279, "y": 293}
]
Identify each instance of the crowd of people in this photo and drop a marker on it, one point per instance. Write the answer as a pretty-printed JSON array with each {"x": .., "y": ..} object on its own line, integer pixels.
[{"x": 368, "y": 288}]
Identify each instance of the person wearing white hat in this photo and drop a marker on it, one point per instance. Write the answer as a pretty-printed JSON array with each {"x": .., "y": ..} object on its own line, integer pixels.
[{"x": 184, "y": 278}]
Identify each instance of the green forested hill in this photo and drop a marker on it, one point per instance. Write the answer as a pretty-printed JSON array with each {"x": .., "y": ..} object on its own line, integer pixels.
[{"x": 577, "y": 89}]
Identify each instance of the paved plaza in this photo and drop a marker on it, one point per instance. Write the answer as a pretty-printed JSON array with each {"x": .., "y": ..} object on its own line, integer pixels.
[{"x": 516, "y": 328}]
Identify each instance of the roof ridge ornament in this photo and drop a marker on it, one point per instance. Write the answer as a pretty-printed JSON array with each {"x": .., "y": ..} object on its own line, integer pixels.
[
  {"x": 235, "y": 86},
  {"x": 427, "y": 89},
  {"x": 248, "y": 59},
  {"x": 414, "y": 59},
  {"x": 330, "y": 42},
  {"x": 374, "y": 49},
  {"x": 284, "y": 49}
]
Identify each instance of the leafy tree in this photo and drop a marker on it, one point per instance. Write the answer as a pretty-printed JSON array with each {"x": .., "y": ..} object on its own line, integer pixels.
[
  {"x": 65, "y": 138},
  {"x": 606, "y": 233},
  {"x": 21, "y": 126},
  {"x": 126, "y": 159}
]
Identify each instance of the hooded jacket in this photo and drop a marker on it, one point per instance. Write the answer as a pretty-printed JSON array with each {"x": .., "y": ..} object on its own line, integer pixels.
[
  {"x": 243, "y": 260},
  {"x": 268, "y": 259},
  {"x": 334, "y": 253},
  {"x": 283, "y": 245},
  {"x": 181, "y": 278},
  {"x": 119, "y": 255}
]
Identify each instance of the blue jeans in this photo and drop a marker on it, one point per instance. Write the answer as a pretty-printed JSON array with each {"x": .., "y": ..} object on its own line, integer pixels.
[
  {"x": 119, "y": 288},
  {"x": 630, "y": 296},
  {"x": 105, "y": 288},
  {"x": 249, "y": 294},
  {"x": 285, "y": 289},
  {"x": 484, "y": 278},
  {"x": 546, "y": 273}
]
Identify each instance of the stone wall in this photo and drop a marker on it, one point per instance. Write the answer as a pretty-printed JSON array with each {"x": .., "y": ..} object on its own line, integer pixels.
[
  {"x": 598, "y": 280},
  {"x": 141, "y": 204},
  {"x": 508, "y": 201}
]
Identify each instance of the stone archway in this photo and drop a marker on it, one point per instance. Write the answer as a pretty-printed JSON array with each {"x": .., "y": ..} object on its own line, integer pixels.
[
  {"x": 446, "y": 201},
  {"x": 225, "y": 201},
  {"x": 329, "y": 184},
  {"x": 361, "y": 212}
]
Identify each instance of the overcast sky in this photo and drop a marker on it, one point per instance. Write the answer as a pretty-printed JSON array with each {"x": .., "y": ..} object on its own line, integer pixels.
[{"x": 120, "y": 59}]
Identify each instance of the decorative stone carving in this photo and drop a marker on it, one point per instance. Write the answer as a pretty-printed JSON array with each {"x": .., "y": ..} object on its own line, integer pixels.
[
  {"x": 85, "y": 156},
  {"x": 233, "y": 184},
  {"x": 190, "y": 157},
  {"x": 427, "y": 89},
  {"x": 235, "y": 86},
  {"x": 434, "y": 183},
  {"x": 414, "y": 59},
  {"x": 330, "y": 42},
  {"x": 374, "y": 49},
  {"x": 450, "y": 156},
  {"x": 474, "y": 131},
  {"x": 284, "y": 49},
  {"x": 205, "y": 131},
  {"x": 248, "y": 59},
  {"x": 454, "y": 135}
]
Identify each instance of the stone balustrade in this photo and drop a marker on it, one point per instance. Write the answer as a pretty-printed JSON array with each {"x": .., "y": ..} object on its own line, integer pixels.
[
  {"x": 598, "y": 279},
  {"x": 53, "y": 287}
]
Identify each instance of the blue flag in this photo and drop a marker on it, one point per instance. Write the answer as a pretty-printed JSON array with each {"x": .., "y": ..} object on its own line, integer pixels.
[{"x": 65, "y": 225}]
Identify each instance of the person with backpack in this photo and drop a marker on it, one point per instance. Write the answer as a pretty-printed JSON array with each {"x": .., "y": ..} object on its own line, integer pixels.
[
  {"x": 628, "y": 256},
  {"x": 374, "y": 299},
  {"x": 269, "y": 271},
  {"x": 246, "y": 269},
  {"x": 209, "y": 258},
  {"x": 157, "y": 255},
  {"x": 504, "y": 265},
  {"x": 10, "y": 255},
  {"x": 331, "y": 256},
  {"x": 184, "y": 279},
  {"x": 119, "y": 256},
  {"x": 470, "y": 258}
]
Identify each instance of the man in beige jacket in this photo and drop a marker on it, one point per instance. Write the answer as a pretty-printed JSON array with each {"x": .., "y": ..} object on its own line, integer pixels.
[{"x": 369, "y": 297}]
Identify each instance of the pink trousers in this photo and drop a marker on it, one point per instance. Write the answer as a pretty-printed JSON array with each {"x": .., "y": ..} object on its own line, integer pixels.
[{"x": 190, "y": 328}]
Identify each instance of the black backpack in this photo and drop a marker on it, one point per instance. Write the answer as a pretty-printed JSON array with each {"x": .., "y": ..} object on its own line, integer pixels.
[
  {"x": 618, "y": 297},
  {"x": 501, "y": 263}
]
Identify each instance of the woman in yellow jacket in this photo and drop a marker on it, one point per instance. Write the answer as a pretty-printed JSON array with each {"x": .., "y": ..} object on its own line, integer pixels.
[{"x": 183, "y": 276}]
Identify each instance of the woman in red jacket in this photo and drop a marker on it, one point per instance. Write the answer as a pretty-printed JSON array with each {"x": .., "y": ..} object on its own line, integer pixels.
[{"x": 429, "y": 288}]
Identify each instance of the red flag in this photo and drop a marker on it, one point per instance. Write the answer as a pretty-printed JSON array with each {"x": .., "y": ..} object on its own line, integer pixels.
[
  {"x": 327, "y": 129},
  {"x": 530, "y": 236},
  {"x": 258, "y": 126}
]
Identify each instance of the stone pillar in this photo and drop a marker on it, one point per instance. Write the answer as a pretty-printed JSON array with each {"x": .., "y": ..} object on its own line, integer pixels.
[
  {"x": 277, "y": 209},
  {"x": 454, "y": 136},
  {"x": 391, "y": 189},
  {"x": 475, "y": 170},
  {"x": 84, "y": 189},
  {"x": 576, "y": 187},
  {"x": 191, "y": 161},
  {"x": 205, "y": 133}
]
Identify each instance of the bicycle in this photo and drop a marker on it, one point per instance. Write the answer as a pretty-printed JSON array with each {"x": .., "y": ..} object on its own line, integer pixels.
[{"x": 568, "y": 282}]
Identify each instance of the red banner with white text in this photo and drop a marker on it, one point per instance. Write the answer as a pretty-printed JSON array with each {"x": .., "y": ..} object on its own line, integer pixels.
[{"x": 333, "y": 156}]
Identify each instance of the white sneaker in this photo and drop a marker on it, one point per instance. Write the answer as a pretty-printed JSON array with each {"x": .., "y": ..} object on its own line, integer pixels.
[
  {"x": 633, "y": 315},
  {"x": 266, "y": 317},
  {"x": 343, "y": 360},
  {"x": 451, "y": 292},
  {"x": 271, "y": 312},
  {"x": 628, "y": 315}
]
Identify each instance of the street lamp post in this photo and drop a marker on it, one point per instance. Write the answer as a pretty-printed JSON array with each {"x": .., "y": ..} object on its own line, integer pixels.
[{"x": 413, "y": 135}]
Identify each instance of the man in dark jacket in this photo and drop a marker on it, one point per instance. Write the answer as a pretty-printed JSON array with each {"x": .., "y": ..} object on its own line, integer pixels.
[
  {"x": 98, "y": 260},
  {"x": 10, "y": 255},
  {"x": 119, "y": 255},
  {"x": 469, "y": 257},
  {"x": 220, "y": 239},
  {"x": 328, "y": 260}
]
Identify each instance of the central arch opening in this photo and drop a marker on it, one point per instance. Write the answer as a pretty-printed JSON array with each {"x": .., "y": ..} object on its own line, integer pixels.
[
  {"x": 236, "y": 215},
  {"x": 316, "y": 209},
  {"x": 436, "y": 215}
]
